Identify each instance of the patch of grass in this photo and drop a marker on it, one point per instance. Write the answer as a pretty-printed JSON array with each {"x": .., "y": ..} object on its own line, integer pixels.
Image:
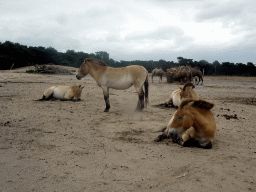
[
  {"x": 239, "y": 100},
  {"x": 132, "y": 132},
  {"x": 30, "y": 71},
  {"x": 230, "y": 77}
]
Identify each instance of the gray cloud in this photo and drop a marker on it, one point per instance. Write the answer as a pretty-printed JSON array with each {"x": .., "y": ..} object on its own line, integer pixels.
[{"x": 136, "y": 30}]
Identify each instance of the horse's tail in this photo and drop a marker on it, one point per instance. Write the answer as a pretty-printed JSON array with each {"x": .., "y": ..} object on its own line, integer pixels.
[
  {"x": 40, "y": 99},
  {"x": 146, "y": 90}
]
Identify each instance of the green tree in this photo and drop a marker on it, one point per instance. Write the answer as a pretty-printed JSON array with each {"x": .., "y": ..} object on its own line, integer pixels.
[{"x": 103, "y": 55}]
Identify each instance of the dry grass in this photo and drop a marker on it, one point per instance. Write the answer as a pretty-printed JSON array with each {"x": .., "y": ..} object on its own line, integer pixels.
[
  {"x": 240, "y": 100},
  {"x": 230, "y": 77}
]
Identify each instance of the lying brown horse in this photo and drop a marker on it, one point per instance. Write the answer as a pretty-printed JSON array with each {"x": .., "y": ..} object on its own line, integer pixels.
[
  {"x": 116, "y": 78},
  {"x": 192, "y": 124}
]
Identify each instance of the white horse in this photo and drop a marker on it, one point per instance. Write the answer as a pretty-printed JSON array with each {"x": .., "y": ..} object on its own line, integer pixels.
[
  {"x": 63, "y": 93},
  {"x": 181, "y": 93}
]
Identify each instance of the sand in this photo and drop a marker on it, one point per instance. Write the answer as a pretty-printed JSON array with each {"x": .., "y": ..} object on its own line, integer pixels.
[{"x": 75, "y": 146}]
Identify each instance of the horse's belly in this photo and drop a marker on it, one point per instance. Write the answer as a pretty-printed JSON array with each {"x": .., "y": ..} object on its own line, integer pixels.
[
  {"x": 176, "y": 100},
  {"x": 59, "y": 93},
  {"x": 120, "y": 84}
]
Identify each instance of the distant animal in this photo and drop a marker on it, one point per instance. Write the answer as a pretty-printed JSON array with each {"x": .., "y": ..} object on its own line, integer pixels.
[
  {"x": 196, "y": 72},
  {"x": 158, "y": 72},
  {"x": 185, "y": 74},
  {"x": 195, "y": 80},
  {"x": 116, "y": 78},
  {"x": 181, "y": 73},
  {"x": 192, "y": 124},
  {"x": 63, "y": 93},
  {"x": 181, "y": 93}
]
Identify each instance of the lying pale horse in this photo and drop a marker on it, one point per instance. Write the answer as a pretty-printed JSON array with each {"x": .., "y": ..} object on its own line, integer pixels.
[
  {"x": 63, "y": 93},
  {"x": 192, "y": 124},
  {"x": 181, "y": 93},
  {"x": 158, "y": 72},
  {"x": 116, "y": 78}
]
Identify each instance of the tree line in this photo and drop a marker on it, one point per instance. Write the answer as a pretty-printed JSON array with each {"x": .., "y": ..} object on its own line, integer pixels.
[{"x": 22, "y": 55}]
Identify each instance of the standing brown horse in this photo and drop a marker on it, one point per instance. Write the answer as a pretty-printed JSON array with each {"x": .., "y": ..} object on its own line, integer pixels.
[
  {"x": 158, "y": 72},
  {"x": 116, "y": 78}
]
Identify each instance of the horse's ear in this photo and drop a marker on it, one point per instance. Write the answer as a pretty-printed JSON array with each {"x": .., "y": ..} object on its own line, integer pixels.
[
  {"x": 190, "y": 104},
  {"x": 87, "y": 59},
  {"x": 82, "y": 87},
  {"x": 204, "y": 104},
  {"x": 79, "y": 86}
]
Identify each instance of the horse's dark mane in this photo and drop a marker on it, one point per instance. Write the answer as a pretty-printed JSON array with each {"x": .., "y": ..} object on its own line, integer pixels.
[
  {"x": 199, "y": 103},
  {"x": 97, "y": 61},
  {"x": 188, "y": 85}
]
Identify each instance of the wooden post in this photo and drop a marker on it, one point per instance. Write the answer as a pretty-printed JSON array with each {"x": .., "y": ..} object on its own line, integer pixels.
[{"x": 12, "y": 66}]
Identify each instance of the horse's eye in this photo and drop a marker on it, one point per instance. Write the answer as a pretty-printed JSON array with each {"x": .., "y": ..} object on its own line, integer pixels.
[{"x": 180, "y": 117}]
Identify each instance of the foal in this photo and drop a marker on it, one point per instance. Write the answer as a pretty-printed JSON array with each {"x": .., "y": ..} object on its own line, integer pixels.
[
  {"x": 63, "y": 93},
  {"x": 181, "y": 93}
]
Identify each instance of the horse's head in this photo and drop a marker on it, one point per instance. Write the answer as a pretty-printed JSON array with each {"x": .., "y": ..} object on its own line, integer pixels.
[
  {"x": 83, "y": 69},
  {"x": 181, "y": 121},
  {"x": 77, "y": 90},
  {"x": 187, "y": 91}
]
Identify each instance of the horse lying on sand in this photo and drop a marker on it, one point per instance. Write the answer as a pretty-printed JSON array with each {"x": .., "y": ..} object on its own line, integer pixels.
[
  {"x": 116, "y": 78},
  {"x": 177, "y": 95},
  {"x": 158, "y": 72},
  {"x": 192, "y": 124},
  {"x": 63, "y": 93}
]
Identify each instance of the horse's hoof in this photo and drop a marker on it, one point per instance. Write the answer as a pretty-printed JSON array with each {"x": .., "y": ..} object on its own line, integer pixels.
[
  {"x": 188, "y": 143},
  {"x": 159, "y": 138},
  {"x": 138, "y": 109},
  {"x": 208, "y": 146},
  {"x": 106, "y": 110}
]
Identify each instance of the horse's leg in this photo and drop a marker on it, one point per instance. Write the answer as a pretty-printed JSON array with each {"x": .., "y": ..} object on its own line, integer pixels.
[
  {"x": 140, "y": 92},
  {"x": 48, "y": 94},
  {"x": 161, "y": 137},
  {"x": 106, "y": 98},
  {"x": 207, "y": 145},
  {"x": 160, "y": 78},
  {"x": 169, "y": 101},
  {"x": 204, "y": 143},
  {"x": 152, "y": 78},
  {"x": 197, "y": 82},
  {"x": 189, "y": 138}
]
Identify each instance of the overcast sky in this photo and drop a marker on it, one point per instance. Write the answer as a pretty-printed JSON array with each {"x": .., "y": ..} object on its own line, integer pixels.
[{"x": 222, "y": 30}]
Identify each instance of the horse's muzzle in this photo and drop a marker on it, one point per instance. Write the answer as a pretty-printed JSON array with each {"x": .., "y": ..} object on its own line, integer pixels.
[
  {"x": 78, "y": 77},
  {"x": 173, "y": 134}
]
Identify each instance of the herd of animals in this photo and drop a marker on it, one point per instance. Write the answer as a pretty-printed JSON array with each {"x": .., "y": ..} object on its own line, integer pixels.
[
  {"x": 180, "y": 73},
  {"x": 192, "y": 124}
]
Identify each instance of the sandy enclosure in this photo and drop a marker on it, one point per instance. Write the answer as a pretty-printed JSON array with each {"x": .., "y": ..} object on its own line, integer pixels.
[{"x": 75, "y": 146}]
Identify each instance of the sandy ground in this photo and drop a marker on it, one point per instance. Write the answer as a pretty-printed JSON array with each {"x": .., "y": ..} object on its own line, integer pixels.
[{"x": 75, "y": 146}]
